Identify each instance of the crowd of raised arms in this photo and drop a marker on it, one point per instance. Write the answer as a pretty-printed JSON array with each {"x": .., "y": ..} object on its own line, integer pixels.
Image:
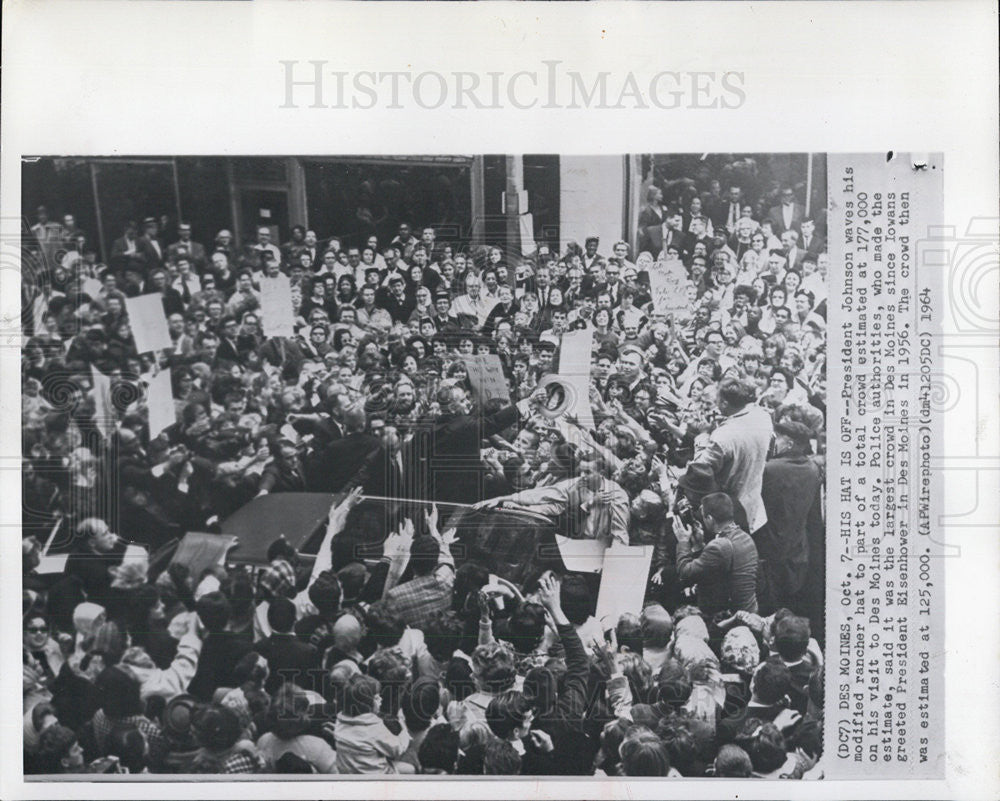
[{"x": 703, "y": 441}]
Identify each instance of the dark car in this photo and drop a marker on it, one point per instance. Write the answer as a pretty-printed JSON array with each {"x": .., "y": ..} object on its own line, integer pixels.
[{"x": 513, "y": 544}]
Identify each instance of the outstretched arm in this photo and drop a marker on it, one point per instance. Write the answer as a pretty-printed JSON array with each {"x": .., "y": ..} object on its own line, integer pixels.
[{"x": 335, "y": 524}]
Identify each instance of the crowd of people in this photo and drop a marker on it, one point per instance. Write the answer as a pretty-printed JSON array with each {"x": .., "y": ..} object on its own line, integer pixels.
[{"x": 703, "y": 439}]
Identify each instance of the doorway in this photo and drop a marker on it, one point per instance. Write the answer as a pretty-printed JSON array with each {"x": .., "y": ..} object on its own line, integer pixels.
[{"x": 264, "y": 207}]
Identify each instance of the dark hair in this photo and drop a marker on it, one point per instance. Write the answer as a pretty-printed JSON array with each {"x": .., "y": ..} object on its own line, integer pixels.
[
  {"x": 217, "y": 727},
  {"x": 791, "y": 637},
  {"x": 736, "y": 392},
  {"x": 809, "y": 737},
  {"x": 501, "y": 759},
  {"x": 384, "y": 628},
  {"x": 443, "y": 634},
  {"x": 719, "y": 506},
  {"x": 420, "y": 703},
  {"x": 54, "y": 744},
  {"x": 128, "y": 744},
  {"x": 643, "y": 754},
  {"x": 576, "y": 599},
  {"x": 469, "y": 578},
  {"x": 281, "y": 615},
  {"x": 424, "y": 554},
  {"x": 772, "y": 682},
  {"x": 324, "y": 593},
  {"x": 628, "y": 632},
  {"x": 732, "y": 762},
  {"x": 249, "y": 669},
  {"x": 541, "y": 688},
  {"x": 439, "y": 750},
  {"x": 680, "y": 744},
  {"x": 118, "y": 693},
  {"x": 458, "y": 679},
  {"x": 213, "y": 610},
  {"x": 673, "y": 684},
  {"x": 763, "y": 743},
  {"x": 505, "y": 713},
  {"x": 526, "y": 627}
]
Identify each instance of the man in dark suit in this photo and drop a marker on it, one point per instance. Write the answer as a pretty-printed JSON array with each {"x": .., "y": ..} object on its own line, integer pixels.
[
  {"x": 396, "y": 300},
  {"x": 184, "y": 246},
  {"x": 288, "y": 658},
  {"x": 228, "y": 352},
  {"x": 384, "y": 474},
  {"x": 788, "y": 215},
  {"x": 125, "y": 251},
  {"x": 789, "y": 490},
  {"x": 656, "y": 239},
  {"x": 445, "y": 461},
  {"x": 726, "y": 212},
  {"x": 333, "y": 467},
  {"x": 150, "y": 245},
  {"x": 811, "y": 241},
  {"x": 221, "y": 649}
]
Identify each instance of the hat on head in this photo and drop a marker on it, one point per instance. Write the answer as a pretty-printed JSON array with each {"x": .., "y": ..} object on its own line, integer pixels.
[
  {"x": 698, "y": 479},
  {"x": 178, "y": 716}
]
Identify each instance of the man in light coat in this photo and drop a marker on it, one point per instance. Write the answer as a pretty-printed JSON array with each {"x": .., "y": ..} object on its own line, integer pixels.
[{"x": 737, "y": 449}]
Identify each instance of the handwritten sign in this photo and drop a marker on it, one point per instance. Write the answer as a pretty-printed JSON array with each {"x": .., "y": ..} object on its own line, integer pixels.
[
  {"x": 276, "y": 307},
  {"x": 486, "y": 377},
  {"x": 668, "y": 283},
  {"x": 148, "y": 323}
]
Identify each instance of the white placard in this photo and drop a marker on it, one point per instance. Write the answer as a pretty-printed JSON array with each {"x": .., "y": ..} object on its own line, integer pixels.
[
  {"x": 148, "y": 323},
  {"x": 278, "y": 319},
  {"x": 160, "y": 402},
  {"x": 581, "y": 556},
  {"x": 623, "y": 581}
]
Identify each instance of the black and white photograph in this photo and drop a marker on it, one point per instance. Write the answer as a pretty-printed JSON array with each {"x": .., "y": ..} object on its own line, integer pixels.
[
  {"x": 479, "y": 466},
  {"x": 499, "y": 400}
]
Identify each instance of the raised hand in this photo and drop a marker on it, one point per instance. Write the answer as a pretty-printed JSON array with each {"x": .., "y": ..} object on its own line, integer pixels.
[
  {"x": 432, "y": 519},
  {"x": 548, "y": 594}
]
